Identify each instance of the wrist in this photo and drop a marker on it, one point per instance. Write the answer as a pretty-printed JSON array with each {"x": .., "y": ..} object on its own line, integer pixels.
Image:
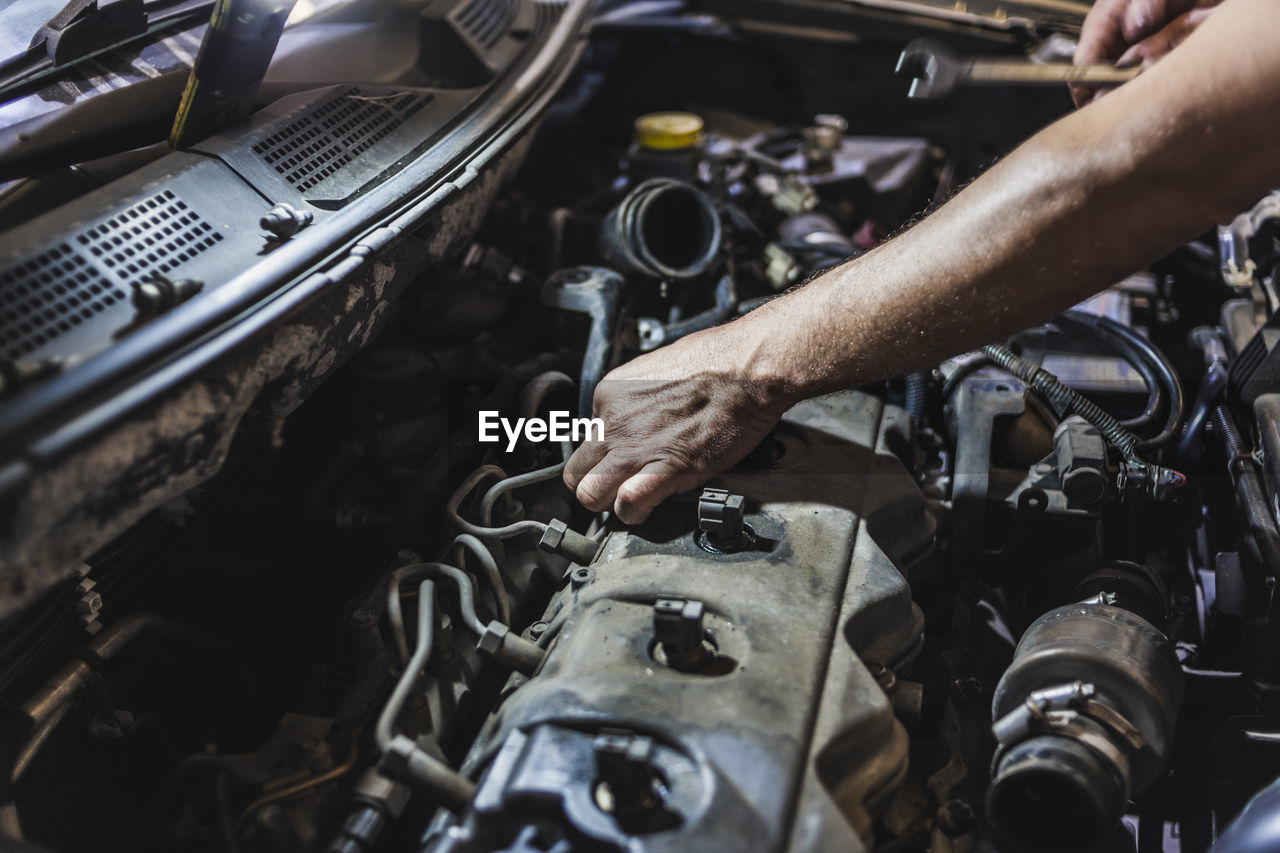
[{"x": 762, "y": 360}]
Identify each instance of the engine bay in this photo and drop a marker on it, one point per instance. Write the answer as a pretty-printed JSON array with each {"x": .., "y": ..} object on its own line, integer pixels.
[{"x": 337, "y": 600}]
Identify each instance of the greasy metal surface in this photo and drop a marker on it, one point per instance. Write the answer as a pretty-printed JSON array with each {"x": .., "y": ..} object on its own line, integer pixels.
[{"x": 792, "y": 737}]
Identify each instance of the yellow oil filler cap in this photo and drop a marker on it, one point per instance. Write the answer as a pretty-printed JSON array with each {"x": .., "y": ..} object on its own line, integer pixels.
[{"x": 668, "y": 131}]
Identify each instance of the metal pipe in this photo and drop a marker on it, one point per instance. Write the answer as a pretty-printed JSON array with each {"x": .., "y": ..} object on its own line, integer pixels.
[
  {"x": 509, "y": 531},
  {"x": 492, "y": 574},
  {"x": 466, "y": 599},
  {"x": 519, "y": 481},
  {"x": 385, "y": 729},
  {"x": 47, "y": 706},
  {"x": 67, "y": 681}
]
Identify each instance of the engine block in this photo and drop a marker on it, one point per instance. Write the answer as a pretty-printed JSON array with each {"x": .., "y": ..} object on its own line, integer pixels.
[{"x": 778, "y": 736}]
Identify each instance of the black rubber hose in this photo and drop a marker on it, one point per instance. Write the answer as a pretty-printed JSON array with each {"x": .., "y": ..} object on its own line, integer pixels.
[
  {"x": 725, "y": 307},
  {"x": 1190, "y": 447},
  {"x": 437, "y": 479},
  {"x": 1148, "y": 360},
  {"x": 1250, "y": 491},
  {"x": 1149, "y": 418},
  {"x": 917, "y": 402},
  {"x": 1065, "y": 399},
  {"x": 1167, "y": 375}
]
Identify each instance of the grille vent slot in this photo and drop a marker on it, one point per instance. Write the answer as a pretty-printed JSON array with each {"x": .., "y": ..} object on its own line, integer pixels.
[
  {"x": 486, "y": 20},
  {"x": 154, "y": 236},
  {"x": 549, "y": 13},
  {"x": 335, "y": 133},
  {"x": 47, "y": 296}
]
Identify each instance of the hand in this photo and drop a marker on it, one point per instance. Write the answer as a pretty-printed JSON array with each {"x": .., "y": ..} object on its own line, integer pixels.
[
  {"x": 673, "y": 419},
  {"x": 1134, "y": 33}
]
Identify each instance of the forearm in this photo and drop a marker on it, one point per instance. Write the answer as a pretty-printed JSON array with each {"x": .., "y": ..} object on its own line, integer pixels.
[{"x": 1097, "y": 195}]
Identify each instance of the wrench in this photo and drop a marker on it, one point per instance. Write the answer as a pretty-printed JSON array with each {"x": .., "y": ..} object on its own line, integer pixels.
[{"x": 936, "y": 70}]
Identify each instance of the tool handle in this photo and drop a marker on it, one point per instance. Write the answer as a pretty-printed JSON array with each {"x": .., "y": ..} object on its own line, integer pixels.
[{"x": 1019, "y": 71}]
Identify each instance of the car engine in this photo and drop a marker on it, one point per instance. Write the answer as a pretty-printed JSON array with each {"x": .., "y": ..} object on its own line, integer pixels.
[{"x": 327, "y": 590}]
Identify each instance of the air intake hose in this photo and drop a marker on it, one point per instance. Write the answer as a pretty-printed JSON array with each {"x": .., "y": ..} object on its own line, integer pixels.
[{"x": 663, "y": 229}]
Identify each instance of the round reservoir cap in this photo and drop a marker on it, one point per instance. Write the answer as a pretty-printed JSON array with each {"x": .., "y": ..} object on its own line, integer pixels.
[{"x": 668, "y": 131}]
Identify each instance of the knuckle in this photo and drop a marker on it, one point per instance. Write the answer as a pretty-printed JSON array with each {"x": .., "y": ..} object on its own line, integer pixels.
[
  {"x": 589, "y": 498},
  {"x": 630, "y": 512},
  {"x": 633, "y": 493}
]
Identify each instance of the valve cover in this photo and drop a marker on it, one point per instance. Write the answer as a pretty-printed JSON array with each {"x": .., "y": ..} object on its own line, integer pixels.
[{"x": 778, "y": 735}]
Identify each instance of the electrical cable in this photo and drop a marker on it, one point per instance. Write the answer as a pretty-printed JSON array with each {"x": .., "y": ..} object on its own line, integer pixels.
[{"x": 1153, "y": 478}]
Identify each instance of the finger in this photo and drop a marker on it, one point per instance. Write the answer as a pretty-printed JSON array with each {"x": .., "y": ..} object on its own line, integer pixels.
[
  {"x": 599, "y": 486},
  {"x": 1081, "y": 95},
  {"x": 1145, "y": 17},
  {"x": 583, "y": 460},
  {"x": 1154, "y": 48},
  {"x": 650, "y": 486},
  {"x": 1101, "y": 37}
]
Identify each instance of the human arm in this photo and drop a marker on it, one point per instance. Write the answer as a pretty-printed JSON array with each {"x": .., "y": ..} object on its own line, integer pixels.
[{"x": 1093, "y": 197}]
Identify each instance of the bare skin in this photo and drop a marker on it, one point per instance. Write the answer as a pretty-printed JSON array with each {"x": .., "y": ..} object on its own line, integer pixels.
[
  {"x": 1102, "y": 192},
  {"x": 1134, "y": 32}
]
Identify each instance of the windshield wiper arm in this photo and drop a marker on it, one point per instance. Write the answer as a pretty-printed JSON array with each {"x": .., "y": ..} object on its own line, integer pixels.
[
  {"x": 87, "y": 27},
  {"x": 84, "y": 26}
]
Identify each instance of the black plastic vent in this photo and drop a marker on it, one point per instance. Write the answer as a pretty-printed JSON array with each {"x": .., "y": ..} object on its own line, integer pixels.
[
  {"x": 47, "y": 296},
  {"x": 153, "y": 237},
  {"x": 549, "y": 12},
  {"x": 334, "y": 133},
  {"x": 486, "y": 20}
]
